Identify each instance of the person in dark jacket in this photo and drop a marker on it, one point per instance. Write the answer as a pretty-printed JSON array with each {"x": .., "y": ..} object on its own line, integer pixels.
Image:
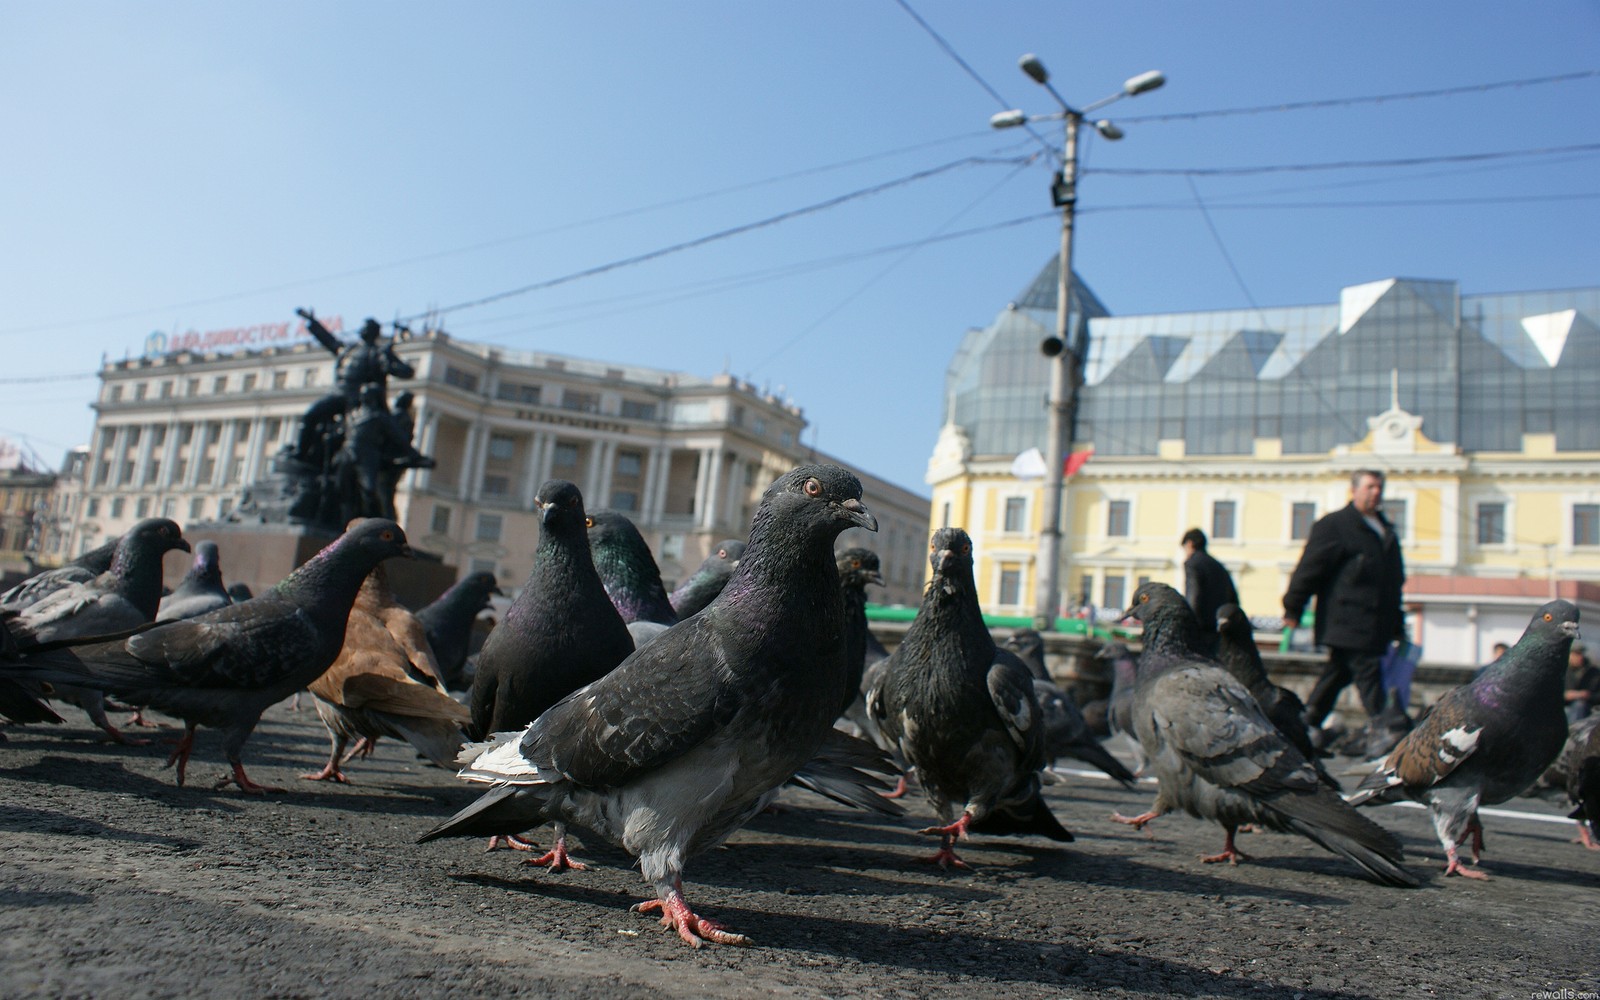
[
  {"x": 1206, "y": 582},
  {"x": 1352, "y": 566}
]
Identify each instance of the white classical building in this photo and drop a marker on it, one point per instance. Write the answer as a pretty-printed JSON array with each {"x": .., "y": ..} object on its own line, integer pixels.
[{"x": 181, "y": 434}]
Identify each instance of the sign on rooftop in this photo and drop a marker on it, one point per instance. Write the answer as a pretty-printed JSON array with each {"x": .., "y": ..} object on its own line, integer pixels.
[{"x": 235, "y": 338}]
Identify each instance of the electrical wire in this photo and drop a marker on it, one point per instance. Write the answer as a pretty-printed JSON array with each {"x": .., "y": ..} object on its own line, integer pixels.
[{"x": 1280, "y": 168}]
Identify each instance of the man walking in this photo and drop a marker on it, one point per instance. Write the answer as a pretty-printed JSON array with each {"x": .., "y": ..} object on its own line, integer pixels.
[
  {"x": 1206, "y": 583},
  {"x": 1352, "y": 566}
]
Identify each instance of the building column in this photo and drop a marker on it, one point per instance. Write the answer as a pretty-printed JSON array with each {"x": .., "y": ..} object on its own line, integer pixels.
[
  {"x": 469, "y": 463},
  {"x": 650, "y": 496},
  {"x": 713, "y": 506},
  {"x": 427, "y": 432},
  {"x": 252, "y": 456},
  {"x": 605, "y": 465},
  {"x": 119, "y": 452},
  {"x": 219, "y": 475},
  {"x": 538, "y": 445},
  {"x": 141, "y": 462},
  {"x": 547, "y": 462},
  {"x": 169, "y": 456}
]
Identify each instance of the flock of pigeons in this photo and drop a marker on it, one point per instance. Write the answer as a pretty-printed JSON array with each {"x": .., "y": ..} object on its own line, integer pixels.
[{"x": 664, "y": 722}]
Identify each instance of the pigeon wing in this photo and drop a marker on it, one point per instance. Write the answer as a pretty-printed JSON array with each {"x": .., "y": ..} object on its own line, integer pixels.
[
  {"x": 1011, "y": 690},
  {"x": 1215, "y": 726},
  {"x": 224, "y": 652}
]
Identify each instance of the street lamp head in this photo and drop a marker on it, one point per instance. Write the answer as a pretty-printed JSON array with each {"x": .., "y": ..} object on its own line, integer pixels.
[
  {"x": 1108, "y": 128},
  {"x": 1031, "y": 65},
  {"x": 1007, "y": 119},
  {"x": 1144, "y": 82}
]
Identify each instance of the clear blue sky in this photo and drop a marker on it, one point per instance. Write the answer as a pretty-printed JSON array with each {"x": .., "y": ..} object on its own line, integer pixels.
[{"x": 208, "y": 165}]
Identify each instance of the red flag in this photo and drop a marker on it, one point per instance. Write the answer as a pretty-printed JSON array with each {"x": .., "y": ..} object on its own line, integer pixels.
[{"x": 1075, "y": 461}]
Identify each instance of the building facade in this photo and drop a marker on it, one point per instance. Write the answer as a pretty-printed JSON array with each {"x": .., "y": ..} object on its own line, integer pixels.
[
  {"x": 686, "y": 458},
  {"x": 1481, "y": 411}
]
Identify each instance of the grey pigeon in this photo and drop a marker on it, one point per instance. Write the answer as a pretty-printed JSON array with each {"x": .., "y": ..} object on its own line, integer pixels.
[
  {"x": 1559, "y": 773},
  {"x": 706, "y": 582},
  {"x": 1066, "y": 734},
  {"x": 1028, "y": 644},
  {"x": 80, "y": 570},
  {"x": 239, "y": 592},
  {"x": 17, "y": 703},
  {"x": 857, "y": 568},
  {"x": 682, "y": 743},
  {"x": 449, "y": 622},
  {"x": 1485, "y": 741},
  {"x": 1119, "y": 707},
  {"x": 1583, "y": 787},
  {"x": 632, "y": 579},
  {"x": 1240, "y": 656},
  {"x": 963, "y": 712},
  {"x": 1217, "y": 756},
  {"x": 200, "y": 590},
  {"x": 560, "y": 633},
  {"x": 125, "y": 596},
  {"x": 224, "y": 668}
]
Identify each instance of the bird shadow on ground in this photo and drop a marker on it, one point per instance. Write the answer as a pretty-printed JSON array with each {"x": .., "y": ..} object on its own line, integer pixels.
[
  {"x": 114, "y": 776},
  {"x": 939, "y": 952},
  {"x": 24, "y": 819},
  {"x": 1497, "y": 868},
  {"x": 375, "y": 798},
  {"x": 25, "y": 899}
]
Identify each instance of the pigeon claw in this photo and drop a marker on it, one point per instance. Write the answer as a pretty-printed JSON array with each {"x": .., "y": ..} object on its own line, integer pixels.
[
  {"x": 1455, "y": 867},
  {"x": 900, "y": 789},
  {"x": 695, "y": 930},
  {"x": 557, "y": 859},
  {"x": 1231, "y": 854},
  {"x": 1137, "y": 822},
  {"x": 238, "y": 777},
  {"x": 957, "y": 830},
  {"x": 1586, "y": 838},
  {"x": 945, "y": 857},
  {"x": 513, "y": 842},
  {"x": 329, "y": 772}
]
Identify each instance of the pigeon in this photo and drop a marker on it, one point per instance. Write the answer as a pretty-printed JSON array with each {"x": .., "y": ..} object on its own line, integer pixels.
[
  {"x": 560, "y": 633},
  {"x": 1028, "y": 645},
  {"x": 1066, "y": 734},
  {"x": 681, "y": 744},
  {"x": 705, "y": 583},
  {"x": 1217, "y": 756},
  {"x": 17, "y": 703},
  {"x": 239, "y": 592},
  {"x": 857, "y": 568},
  {"x": 1240, "y": 656},
  {"x": 125, "y": 596},
  {"x": 370, "y": 691},
  {"x": 1485, "y": 741},
  {"x": 1559, "y": 773},
  {"x": 631, "y": 577},
  {"x": 964, "y": 713},
  {"x": 1583, "y": 787},
  {"x": 200, "y": 590},
  {"x": 449, "y": 622},
  {"x": 224, "y": 668},
  {"x": 1119, "y": 707},
  {"x": 80, "y": 570}
]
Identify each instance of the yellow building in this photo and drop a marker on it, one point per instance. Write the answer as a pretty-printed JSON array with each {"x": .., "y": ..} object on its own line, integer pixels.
[{"x": 1480, "y": 410}]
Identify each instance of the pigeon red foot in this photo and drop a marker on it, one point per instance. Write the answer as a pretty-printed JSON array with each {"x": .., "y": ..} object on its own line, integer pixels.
[
  {"x": 1231, "y": 854},
  {"x": 946, "y": 855},
  {"x": 1586, "y": 838},
  {"x": 900, "y": 789},
  {"x": 557, "y": 859},
  {"x": 140, "y": 721},
  {"x": 1454, "y": 867},
  {"x": 694, "y": 929},
  {"x": 513, "y": 842},
  {"x": 1137, "y": 822},
  {"x": 180, "y": 753},
  {"x": 330, "y": 772},
  {"x": 238, "y": 777}
]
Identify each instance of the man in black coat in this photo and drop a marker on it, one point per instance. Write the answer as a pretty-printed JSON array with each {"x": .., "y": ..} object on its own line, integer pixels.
[
  {"x": 1352, "y": 566},
  {"x": 1206, "y": 583}
]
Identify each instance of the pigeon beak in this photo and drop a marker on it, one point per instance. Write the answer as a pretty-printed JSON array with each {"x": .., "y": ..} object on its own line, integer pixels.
[
  {"x": 857, "y": 514},
  {"x": 1569, "y": 628},
  {"x": 876, "y": 578},
  {"x": 546, "y": 511},
  {"x": 181, "y": 545}
]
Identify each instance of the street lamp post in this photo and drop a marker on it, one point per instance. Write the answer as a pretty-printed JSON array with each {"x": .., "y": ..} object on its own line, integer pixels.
[{"x": 1065, "y": 370}]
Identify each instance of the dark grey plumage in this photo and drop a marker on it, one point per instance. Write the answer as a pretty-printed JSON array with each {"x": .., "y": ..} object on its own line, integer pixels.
[
  {"x": 1066, "y": 734},
  {"x": 677, "y": 747},
  {"x": 1218, "y": 757},
  {"x": 1487, "y": 740},
  {"x": 561, "y": 631},
  {"x": 1028, "y": 644},
  {"x": 627, "y": 568},
  {"x": 449, "y": 620},
  {"x": 17, "y": 703},
  {"x": 1583, "y": 787},
  {"x": 80, "y": 570},
  {"x": 200, "y": 590},
  {"x": 125, "y": 596},
  {"x": 1240, "y": 656},
  {"x": 240, "y": 592},
  {"x": 963, "y": 713},
  {"x": 858, "y": 567},
  {"x": 224, "y": 668},
  {"x": 706, "y": 582},
  {"x": 1119, "y": 707}
]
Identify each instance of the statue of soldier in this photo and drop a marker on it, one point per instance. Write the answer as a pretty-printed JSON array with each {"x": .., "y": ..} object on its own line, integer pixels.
[
  {"x": 366, "y": 361},
  {"x": 373, "y": 442}
]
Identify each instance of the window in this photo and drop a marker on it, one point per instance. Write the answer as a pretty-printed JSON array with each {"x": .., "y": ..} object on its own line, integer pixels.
[
  {"x": 169, "y": 507},
  {"x": 1116, "y": 592},
  {"x": 138, "y": 390},
  {"x": 152, "y": 472},
  {"x": 502, "y": 447},
  {"x": 629, "y": 464},
  {"x": 308, "y": 377},
  {"x": 117, "y": 504},
  {"x": 566, "y": 455},
  {"x": 219, "y": 385},
  {"x": 460, "y": 379},
  {"x": 92, "y": 508},
  {"x": 249, "y": 383},
  {"x": 185, "y": 433},
  {"x": 280, "y": 380},
  {"x": 1491, "y": 524},
  {"x": 496, "y": 486},
  {"x": 584, "y": 402},
  {"x": 672, "y": 547},
  {"x": 624, "y": 500},
  {"x": 158, "y": 435},
  {"x": 635, "y": 410},
  {"x": 223, "y": 507},
  {"x": 481, "y": 566},
  {"x": 166, "y": 389},
  {"x": 1085, "y": 588},
  {"x": 141, "y": 508},
  {"x": 1301, "y": 517},
  {"x": 133, "y": 437},
  {"x": 1010, "y": 585},
  {"x": 191, "y": 387},
  {"x": 514, "y": 392},
  {"x": 1222, "y": 519},
  {"x": 1586, "y": 524},
  {"x": 1117, "y": 521},
  {"x": 944, "y": 517},
  {"x": 441, "y": 520},
  {"x": 488, "y": 527},
  {"x": 759, "y": 426},
  {"x": 1016, "y": 515},
  {"x": 196, "y": 507},
  {"x": 1395, "y": 511}
]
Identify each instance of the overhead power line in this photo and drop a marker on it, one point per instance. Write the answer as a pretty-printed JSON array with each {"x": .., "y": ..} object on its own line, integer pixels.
[
  {"x": 1338, "y": 102},
  {"x": 1281, "y": 168}
]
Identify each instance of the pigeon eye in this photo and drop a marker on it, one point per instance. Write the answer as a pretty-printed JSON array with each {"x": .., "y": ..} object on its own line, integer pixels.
[
  {"x": 966, "y": 550},
  {"x": 1144, "y": 598},
  {"x": 588, "y": 522},
  {"x": 1549, "y": 617},
  {"x": 387, "y": 536},
  {"x": 855, "y": 564},
  {"x": 813, "y": 488}
]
